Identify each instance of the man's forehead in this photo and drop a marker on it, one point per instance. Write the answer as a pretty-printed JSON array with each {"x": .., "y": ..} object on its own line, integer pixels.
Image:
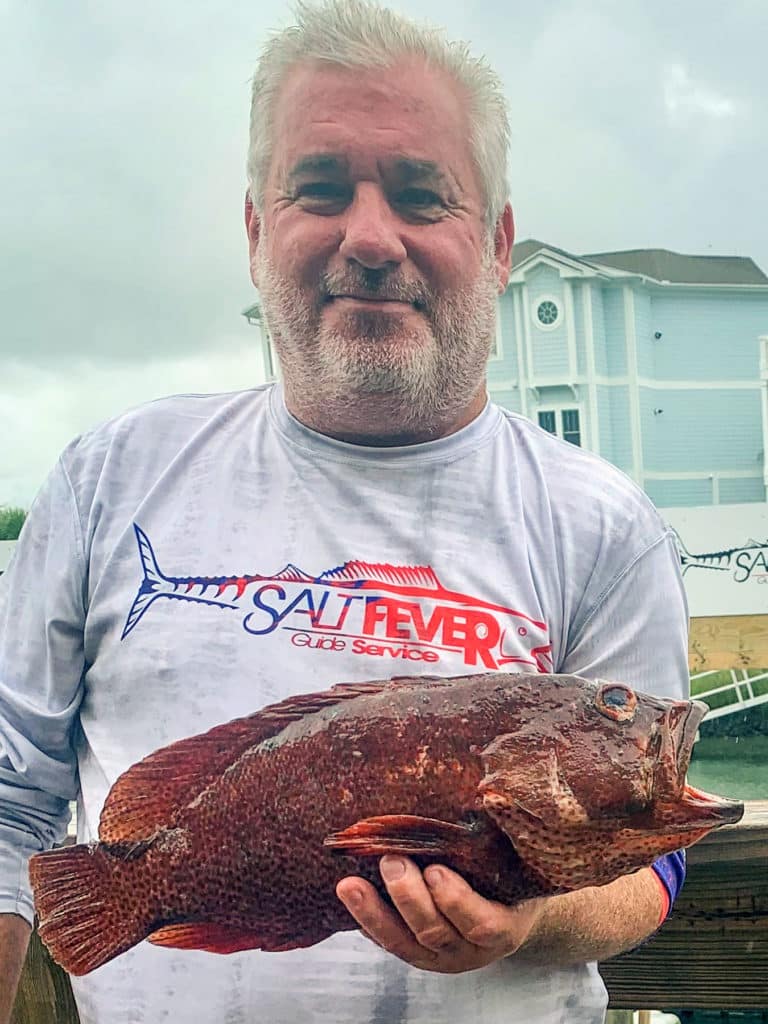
[{"x": 405, "y": 123}]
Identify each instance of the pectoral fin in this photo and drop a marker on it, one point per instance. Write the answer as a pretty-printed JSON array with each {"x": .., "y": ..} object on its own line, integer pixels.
[
  {"x": 407, "y": 834},
  {"x": 213, "y": 937},
  {"x": 208, "y": 936}
]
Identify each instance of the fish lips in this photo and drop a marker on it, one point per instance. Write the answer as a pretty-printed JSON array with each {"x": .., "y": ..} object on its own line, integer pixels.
[
  {"x": 695, "y": 807},
  {"x": 708, "y": 809}
]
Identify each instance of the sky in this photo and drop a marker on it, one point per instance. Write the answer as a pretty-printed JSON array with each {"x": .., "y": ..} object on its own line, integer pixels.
[{"x": 635, "y": 123}]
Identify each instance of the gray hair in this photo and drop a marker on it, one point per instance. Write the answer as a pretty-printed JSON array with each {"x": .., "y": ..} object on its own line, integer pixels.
[{"x": 360, "y": 34}]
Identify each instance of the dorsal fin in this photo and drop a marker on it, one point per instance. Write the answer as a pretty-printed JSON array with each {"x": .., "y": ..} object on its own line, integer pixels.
[
  {"x": 400, "y": 575},
  {"x": 148, "y": 796},
  {"x": 292, "y": 574}
]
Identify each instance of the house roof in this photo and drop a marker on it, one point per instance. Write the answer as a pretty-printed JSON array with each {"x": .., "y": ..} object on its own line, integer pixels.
[
  {"x": 522, "y": 250},
  {"x": 660, "y": 264},
  {"x": 678, "y": 268}
]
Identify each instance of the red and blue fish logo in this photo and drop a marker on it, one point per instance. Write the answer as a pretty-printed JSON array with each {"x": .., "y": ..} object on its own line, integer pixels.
[{"x": 401, "y": 612}]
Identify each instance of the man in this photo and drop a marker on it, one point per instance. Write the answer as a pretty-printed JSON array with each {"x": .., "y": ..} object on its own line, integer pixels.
[{"x": 380, "y": 236}]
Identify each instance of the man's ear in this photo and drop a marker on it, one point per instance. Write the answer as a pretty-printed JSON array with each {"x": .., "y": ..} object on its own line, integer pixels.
[
  {"x": 253, "y": 229},
  {"x": 504, "y": 239}
]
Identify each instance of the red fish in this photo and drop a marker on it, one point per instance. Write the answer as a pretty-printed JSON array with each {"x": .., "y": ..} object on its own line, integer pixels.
[{"x": 236, "y": 839}]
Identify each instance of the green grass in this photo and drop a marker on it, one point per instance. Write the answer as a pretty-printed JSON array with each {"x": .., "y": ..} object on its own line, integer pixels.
[{"x": 11, "y": 521}]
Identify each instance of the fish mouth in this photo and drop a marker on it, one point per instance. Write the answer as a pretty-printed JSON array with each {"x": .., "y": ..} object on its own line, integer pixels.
[
  {"x": 707, "y": 808},
  {"x": 697, "y": 808},
  {"x": 673, "y": 746}
]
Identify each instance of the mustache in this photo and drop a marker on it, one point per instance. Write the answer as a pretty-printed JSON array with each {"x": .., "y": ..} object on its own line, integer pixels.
[{"x": 376, "y": 284}]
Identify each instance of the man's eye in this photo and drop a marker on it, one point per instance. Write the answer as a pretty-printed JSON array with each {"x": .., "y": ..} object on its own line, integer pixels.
[
  {"x": 418, "y": 197},
  {"x": 322, "y": 190}
]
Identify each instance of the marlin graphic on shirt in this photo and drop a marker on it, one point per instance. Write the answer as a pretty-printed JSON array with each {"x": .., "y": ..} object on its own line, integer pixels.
[
  {"x": 744, "y": 562},
  {"x": 401, "y": 612}
]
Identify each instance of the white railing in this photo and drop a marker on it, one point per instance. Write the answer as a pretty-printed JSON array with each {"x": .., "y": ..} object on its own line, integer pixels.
[{"x": 741, "y": 687}]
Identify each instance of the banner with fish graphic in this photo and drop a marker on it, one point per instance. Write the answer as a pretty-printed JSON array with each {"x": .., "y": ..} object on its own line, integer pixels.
[
  {"x": 724, "y": 557},
  {"x": 403, "y": 614}
]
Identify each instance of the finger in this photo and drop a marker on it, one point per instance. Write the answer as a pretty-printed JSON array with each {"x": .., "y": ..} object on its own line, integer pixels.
[
  {"x": 413, "y": 901},
  {"x": 484, "y": 923},
  {"x": 380, "y": 923}
]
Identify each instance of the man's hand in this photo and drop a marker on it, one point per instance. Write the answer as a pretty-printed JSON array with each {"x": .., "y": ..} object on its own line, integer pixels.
[{"x": 441, "y": 924}]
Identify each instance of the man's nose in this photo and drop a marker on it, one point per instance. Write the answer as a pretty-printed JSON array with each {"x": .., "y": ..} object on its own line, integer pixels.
[{"x": 372, "y": 230}]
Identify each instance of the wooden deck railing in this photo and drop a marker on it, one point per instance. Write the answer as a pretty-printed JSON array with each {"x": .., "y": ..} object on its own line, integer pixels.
[{"x": 712, "y": 953}]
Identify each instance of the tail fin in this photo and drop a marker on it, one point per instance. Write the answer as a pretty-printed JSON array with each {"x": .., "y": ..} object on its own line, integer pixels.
[
  {"x": 154, "y": 584},
  {"x": 686, "y": 558},
  {"x": 83, "y": 917}
]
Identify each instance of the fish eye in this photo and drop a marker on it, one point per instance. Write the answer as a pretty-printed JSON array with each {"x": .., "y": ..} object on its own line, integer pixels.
[{"x": 616, "y": 701}]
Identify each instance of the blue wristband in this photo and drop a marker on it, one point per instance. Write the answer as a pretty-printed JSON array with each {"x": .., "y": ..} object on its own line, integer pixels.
[{"x": 671, "y": 872}]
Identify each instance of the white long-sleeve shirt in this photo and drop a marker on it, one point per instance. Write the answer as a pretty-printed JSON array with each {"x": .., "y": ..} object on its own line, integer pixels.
[{"x": 499, "y": 547}]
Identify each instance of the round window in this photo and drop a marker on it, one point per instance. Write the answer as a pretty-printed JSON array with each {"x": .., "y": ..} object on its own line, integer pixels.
[{"x": 547, "y": 312}]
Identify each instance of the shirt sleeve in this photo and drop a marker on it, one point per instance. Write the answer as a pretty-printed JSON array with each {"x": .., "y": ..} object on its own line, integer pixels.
[
  {"x": 637, "y": 633},
  {"x": 41, "y": 685}
]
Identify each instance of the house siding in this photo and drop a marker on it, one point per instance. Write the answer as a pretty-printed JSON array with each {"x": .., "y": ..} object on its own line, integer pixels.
[
  {"x": 676, "y": 493},
  {"x": 685, "y": 418},
  {"x": 503, "y": 367},
  {"x": 508, "y": 399},
  {"x": 615, "y": 332},
  {"x": 644, "y": 330},
  {"x": 707, "y": 337},
  {"x": 578, "y": 322},
  {"x": 598, "y": 329},
  {"x": 700, "y": 430},
  {"x": 549, "y": 347},
  {"x": 734, "y": 492},
  {"x": 615, "y": 426}
]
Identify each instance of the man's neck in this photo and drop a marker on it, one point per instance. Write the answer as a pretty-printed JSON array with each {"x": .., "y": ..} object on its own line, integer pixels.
[{"x": 379, "y": 422}]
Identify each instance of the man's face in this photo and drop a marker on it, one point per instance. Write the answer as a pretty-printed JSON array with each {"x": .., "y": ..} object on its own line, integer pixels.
[{"x": 375, "y": 274}]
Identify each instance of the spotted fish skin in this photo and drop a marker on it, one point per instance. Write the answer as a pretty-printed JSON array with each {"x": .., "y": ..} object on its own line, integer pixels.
[{"x": 236, "y": 839}]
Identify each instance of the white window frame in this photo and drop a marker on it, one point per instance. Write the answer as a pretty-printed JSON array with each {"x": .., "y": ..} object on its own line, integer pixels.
[
  {"x": 558, "y": 408},
  {"x": 559, "y": 305},
  {"x": 497, "y": 352},
  {"x": 270, "y": 360}
]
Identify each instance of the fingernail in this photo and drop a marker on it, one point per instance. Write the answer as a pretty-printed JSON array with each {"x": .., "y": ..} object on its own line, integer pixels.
[
  {"x": 434, "y": 877},
  {"x": 392, "y": 868}
]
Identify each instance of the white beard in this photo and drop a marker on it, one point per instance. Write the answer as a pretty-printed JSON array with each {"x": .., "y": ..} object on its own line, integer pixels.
[{"x": 421, "y": 369}]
